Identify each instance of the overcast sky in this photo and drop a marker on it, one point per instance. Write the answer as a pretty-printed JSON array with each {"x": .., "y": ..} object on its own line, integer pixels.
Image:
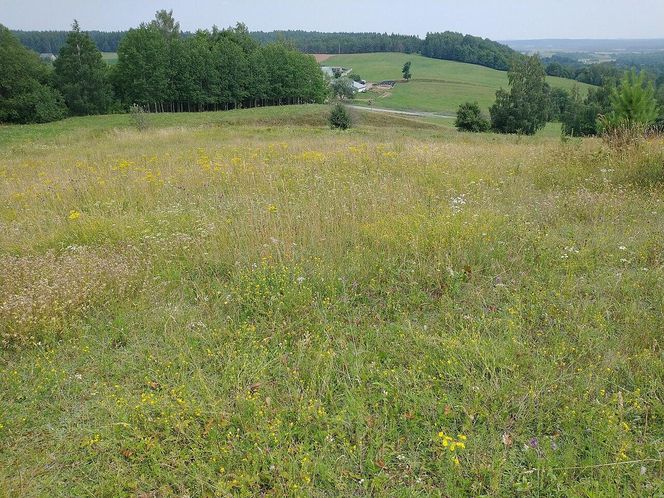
[{"x": 497, "y": 19}]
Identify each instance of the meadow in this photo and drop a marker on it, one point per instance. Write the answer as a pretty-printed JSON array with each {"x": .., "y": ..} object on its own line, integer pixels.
[
  {"x": 437, "y": 85},
  {"x": 111, "y": 58},
  {"x": 251, "y": 304}
]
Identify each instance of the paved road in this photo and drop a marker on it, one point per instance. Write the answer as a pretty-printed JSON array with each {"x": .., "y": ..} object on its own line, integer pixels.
[{"x": 421, "y": 114}]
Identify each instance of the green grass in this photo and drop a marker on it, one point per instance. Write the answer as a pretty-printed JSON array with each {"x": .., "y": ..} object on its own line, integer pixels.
[
  {"x": 437, "y": 85},
  {"x": 111, "y": 58},
  {"x": 77, "y": 129},
  {"x": 252, "y": 304}
]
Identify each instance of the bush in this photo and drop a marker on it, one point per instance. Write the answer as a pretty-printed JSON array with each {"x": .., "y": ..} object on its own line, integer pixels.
[
  {"x": 42, "y": 104},
  {"x": 139, "y": 117},
  {"x": 340, "y": 118},
  {"x": 470, "y": 118}
]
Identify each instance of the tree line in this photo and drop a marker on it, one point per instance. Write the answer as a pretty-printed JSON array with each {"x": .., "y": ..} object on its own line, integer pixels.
[
  {"x": 159, "y": 69},
  {"x": 310, "y": 42},
  {"x": 447, "y": 45},
  {"x": 314, "y": 42},
  {"x": 45, "y": 42},
  {"x": 568, "y": 66},
  {"x": 631, "y": 100}
]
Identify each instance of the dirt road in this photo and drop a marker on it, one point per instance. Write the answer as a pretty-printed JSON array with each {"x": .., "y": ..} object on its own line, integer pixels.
[{"x": 421, "y": 114}]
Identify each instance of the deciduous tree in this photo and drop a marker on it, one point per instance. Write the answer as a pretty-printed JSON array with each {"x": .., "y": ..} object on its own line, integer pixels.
[
  {"x": 525, "y": 108},
  {"x": 25, "y": 95}
]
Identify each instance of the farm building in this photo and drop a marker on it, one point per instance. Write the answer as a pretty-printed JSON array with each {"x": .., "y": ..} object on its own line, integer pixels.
[{"x": 360, "y": 86}]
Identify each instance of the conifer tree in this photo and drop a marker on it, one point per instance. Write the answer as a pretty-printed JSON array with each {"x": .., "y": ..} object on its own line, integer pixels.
[{"x": 81, "y": 75}]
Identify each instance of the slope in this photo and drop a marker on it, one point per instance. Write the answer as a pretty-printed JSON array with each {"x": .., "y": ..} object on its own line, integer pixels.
[{"x": 437, "y": 85}]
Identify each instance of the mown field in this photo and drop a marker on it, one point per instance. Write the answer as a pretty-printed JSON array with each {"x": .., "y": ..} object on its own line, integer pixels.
[
  {"x": 437, "y": 85},
  {"x": 251, "y": 304},
  {"x": 110, "y": 57}
]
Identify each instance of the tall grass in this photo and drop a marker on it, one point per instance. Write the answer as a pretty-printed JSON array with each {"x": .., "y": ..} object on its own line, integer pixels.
[{"x": 282, "y": 310}]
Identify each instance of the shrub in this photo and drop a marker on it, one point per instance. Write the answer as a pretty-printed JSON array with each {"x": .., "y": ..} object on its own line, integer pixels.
[
  {"x": 340, "y": 118},
  {"x": 41, "y": 105},
  {"x": 470, "y": 118},
  {"x": 139, "y": 117}
]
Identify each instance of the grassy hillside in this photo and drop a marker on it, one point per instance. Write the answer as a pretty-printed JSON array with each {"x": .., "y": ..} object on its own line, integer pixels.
[
  {"x": 110, "y": 57},
  {"x": 252, "y": 304},
  {"x": 437, "y": 85}
]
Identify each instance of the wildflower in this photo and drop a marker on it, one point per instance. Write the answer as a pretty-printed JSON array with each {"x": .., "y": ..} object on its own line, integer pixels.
[
  {"x": 453, "y": 445},
  {"x": 456, "y": 203},
  {"x": 272, "y": 208},
  {"x": 74, "y": 215}
]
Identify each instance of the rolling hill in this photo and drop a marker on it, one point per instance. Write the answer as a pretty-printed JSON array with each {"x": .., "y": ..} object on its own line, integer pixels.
[{"x": 437, "y": 85}]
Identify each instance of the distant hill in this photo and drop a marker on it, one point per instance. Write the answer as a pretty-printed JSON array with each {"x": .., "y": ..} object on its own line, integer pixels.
[
  {"x": 437, "y": 85},
  {"x": 589, "y": 45}
]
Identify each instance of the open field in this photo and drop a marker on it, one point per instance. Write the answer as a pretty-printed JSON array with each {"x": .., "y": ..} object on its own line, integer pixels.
[
  {"x": 251, "y": 304},
  {"x": 437, "y": 85},
  {"x": 110, "y": 57}
]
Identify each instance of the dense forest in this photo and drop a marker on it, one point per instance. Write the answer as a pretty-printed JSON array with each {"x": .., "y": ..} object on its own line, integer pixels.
[
  {"x": 310, "y": 42},
  {"x": 50, "y": 42},
  {"x": 471, "y": 49},
  {"x": 313, "y": 42},
  {"x": 158, "y": 69}
]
